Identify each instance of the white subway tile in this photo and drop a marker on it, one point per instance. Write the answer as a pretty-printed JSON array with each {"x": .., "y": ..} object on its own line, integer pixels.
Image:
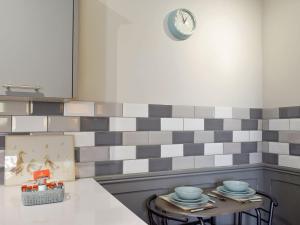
[
  {"x": 136, "y": 166},
  {"x": 122, "y": 124},
  {"x": 279, "y": 124},
  {"x": 213, "y": 148},
  {"x": 77, "y": 108},
  {"x": 135, "y": 110},
  {"x": 29, "y": 123},
  {"x": 223, "y": 112},
  {"x": 122, "y": 152},
  {"x": 83, "y": 139},
  {"x": 255, "y": 157},
  {"x": 289, "y": 161},
  {"x": 255, "y": 135},
  {"x": 294, "y": 124},
  {"x": 223, "y": 160},
  {"x": 171, "y": 124},
  {"x": 193, "y": 124},
  {"x": 279, "y": 148},
  {"x": 171, "y": 150},
  {"x": 240, "y": 136}
]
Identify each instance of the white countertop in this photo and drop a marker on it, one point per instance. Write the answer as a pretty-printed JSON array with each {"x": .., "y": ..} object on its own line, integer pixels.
[{"x": 89, "y": 204}]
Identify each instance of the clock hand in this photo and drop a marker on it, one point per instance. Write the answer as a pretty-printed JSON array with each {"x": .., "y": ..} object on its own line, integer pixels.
[{"x": 182, "y": 17}]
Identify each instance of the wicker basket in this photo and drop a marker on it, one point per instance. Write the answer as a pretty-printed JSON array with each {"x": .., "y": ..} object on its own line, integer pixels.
[{"x": 43, "y": 197}]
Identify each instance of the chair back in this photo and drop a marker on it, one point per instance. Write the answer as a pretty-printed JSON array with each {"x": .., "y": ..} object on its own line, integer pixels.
[{"x": 159, "y": 217}]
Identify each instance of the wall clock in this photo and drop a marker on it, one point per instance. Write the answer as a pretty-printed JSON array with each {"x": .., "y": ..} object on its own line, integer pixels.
[{"x": 181, "y": 23}]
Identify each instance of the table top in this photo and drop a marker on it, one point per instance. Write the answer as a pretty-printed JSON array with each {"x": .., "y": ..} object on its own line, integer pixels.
[
  {"x": 86, "y": 203},
  {"x": 228, "y": 206}
]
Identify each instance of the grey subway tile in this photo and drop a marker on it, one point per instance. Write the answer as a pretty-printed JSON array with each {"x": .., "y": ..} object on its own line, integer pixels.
[
  {"x": 160, "y": 164},
  {"x": 204, "y": 112},
  {"x": 249, "y": 124},
  {"x": 270, "y": 158},
  {"x": 213, "y": 124},
  {"x": 47, "y": 108},
  {"x": 204, "y": 161},
  {"x": 223, "y": 136},
  {"x": 136, "y": 138},
  {"x": 63, "y": 124},
  {"x": 239, "y": 159},
  {"x": 183, "y": 111},
  {"x": 2, "y": 142},
  {"x": 192, "y": 149},
  {"x": 256, "y": 113},
  {"x": 2, "y": 160},
  {"x": 265, "y": 124},
  {"x": 232, "y": 148},
  {"x": 270, "y": 113},
  {"x": 160, "y": 137},
  {"x": 180, "y": 137},
  {"x": 108, "y": 138},
  {"x": 240, "y": 113},
  {"x": 108, "y": 109},
  {"x": 265, "y": 147},
  {"x": 182, "y": 163},
  {"x": 148, "y": 124},
  {"x": 147, "y": 151},
  {"x": 94, "y": 124},
  {"x": 5, "y": 124},
  {"x": 248, "y": 147},
  {"x": 270, "y": 136},
  {"x": 160, "y": 111},
  {"x": 203, "y": 136},
  {"x": 295, "y": 149},
  {"x": 289, "y": 112},
  {"x": 14, "y": 108},
  {"x": 1, "y": 176},
  {"x": 86, "y": 169},
  {"x": 108, "y": 168},
  {"x": 289, "y": 137},
  {"x": 92, "y": 154},
  {"x": 232, "y": 124}
]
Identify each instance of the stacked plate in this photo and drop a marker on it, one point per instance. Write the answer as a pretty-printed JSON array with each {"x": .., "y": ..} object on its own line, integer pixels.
[
  {"x": 189, "y": 196},
  {"x": 236, "y": 189}
]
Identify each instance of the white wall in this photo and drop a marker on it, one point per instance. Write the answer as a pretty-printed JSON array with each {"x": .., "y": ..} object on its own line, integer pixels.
[
  {"x": 125, "y": 54},
  {"x": 281, "y": 53}
]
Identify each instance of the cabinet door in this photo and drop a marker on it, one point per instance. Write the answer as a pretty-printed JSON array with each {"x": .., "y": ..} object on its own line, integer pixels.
[{"x": 36, "y": 46}]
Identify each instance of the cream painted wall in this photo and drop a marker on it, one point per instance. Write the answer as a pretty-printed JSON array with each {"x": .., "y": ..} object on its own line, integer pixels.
[
  {"x": 125, "y": 54},
  {"x": 281, "y": 53}
]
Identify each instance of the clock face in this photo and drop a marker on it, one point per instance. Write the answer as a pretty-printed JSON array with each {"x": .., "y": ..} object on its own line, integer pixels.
[{"x": 182, "y": 23}]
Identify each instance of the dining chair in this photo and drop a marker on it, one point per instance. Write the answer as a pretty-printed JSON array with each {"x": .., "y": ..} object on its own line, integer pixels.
[
  {"x": 263, "y": 215},
  {"x": 157, "y": 217}
]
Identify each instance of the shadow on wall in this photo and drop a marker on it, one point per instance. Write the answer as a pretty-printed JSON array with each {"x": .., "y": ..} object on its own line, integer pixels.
[{"x": 99, "y": 28}]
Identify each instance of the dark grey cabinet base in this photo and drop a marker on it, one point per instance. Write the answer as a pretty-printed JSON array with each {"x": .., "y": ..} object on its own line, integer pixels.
[{"x": 283, "y": 183}]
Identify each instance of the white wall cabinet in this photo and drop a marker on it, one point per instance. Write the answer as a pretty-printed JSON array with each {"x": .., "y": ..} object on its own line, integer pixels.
[{"x": 36, "y": 48}]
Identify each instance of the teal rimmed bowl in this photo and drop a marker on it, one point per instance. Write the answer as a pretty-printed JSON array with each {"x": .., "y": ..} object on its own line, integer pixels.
[
  {"x": 188, "y": 193},
  {"x": 236, "y": 186}
]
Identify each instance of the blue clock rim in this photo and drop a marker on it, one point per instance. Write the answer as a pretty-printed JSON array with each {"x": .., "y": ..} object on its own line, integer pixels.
[{"x": 174, "y": 30}]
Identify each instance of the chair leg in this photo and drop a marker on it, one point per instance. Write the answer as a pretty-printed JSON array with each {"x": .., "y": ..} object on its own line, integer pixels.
[
  {"x": 258, "y": 216},
  {"x": 201, "y": 221},
  {"x": 240, "y": 219}
]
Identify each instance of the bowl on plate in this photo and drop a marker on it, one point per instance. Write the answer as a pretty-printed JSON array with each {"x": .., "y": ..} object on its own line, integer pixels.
[
  {"x": 188, "y": 193},
  {"x": 236, "y": 186}
]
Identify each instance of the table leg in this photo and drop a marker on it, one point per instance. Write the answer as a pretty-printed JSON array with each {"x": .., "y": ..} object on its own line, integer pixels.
[
  {"x": 213, "y": 220},
  {"x": 240, "y": 215}
]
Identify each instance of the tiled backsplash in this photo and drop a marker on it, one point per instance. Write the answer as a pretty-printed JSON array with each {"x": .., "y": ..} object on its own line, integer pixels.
[
  {"x": 114, "y": 138},
  {"x": 281, "y": 136}
]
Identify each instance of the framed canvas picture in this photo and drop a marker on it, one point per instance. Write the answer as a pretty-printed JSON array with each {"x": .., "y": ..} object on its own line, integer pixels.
[{"x": 26, "y": 154}]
